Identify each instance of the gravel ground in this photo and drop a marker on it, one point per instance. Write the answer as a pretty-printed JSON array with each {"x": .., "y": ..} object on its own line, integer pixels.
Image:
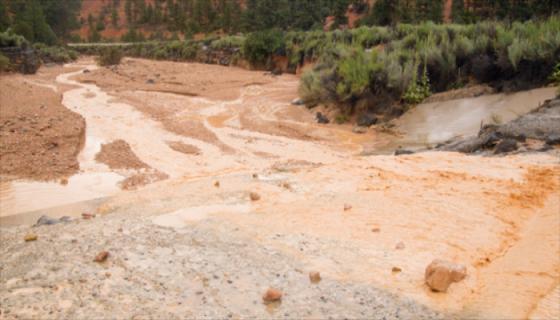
[{"x": 207, "y": 270}]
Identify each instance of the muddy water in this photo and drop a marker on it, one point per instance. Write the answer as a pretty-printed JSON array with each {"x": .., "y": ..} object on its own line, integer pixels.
[
  {"x": 254, "y": 147},
  {"x": 432, "y": 123}
]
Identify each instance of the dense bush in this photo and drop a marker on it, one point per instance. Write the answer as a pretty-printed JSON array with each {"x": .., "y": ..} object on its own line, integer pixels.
[
  {"x": 55, "y": 54},
  {"x": 110, "y": 56},
  {"x": 261, "y": 45},
  {"x": 414, "y": 60},
  {"x": 9, "y": 39}
]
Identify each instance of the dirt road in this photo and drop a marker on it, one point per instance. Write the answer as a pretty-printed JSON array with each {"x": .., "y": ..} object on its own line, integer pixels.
[{"x": 196, "y": 245}]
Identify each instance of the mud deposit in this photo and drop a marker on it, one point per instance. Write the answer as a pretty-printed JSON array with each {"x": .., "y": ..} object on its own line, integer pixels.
[{"x": 239, "y": 191}]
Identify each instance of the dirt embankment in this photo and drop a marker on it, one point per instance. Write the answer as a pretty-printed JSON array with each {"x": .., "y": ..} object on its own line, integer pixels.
[{"x": 39, "y": 137}]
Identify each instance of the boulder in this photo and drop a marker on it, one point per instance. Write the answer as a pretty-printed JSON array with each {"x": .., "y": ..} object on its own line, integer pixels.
[
  {"x": 441, "y": 274},
  {"x": 366, "y": 120},
  {"x": 321, "y": 118}
]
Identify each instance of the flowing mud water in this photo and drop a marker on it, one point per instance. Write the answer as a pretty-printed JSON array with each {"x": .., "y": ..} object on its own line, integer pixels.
[{"x": 199, "y": 245}]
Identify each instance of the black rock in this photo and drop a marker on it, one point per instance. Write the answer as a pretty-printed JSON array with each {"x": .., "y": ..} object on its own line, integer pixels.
[
  {"x": 366, "y": 120},
  {"x": 321, "y": 118},
  {"x": 46, "y": 221},
  {"x": 402, "y": 151},
  {"x": 505, "y": 146},
  {"x": 87, "y": 71}
]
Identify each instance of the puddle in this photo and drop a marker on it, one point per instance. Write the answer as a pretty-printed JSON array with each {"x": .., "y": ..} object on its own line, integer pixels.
[
  {"x": 182, "y": 217},
  {"x": 23, "y": 196}
]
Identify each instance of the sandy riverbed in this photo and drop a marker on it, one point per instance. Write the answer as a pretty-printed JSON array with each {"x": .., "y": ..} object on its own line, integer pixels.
[{"x": 186, "y": 246}]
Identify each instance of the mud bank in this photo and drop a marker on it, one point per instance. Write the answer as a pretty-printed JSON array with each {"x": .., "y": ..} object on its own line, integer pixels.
[{"x": 39, "y": 137}]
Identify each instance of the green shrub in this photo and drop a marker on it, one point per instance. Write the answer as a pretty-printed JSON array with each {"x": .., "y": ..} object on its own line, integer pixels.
[
  {"x": 110, "y": 56},
  {"x": 9, "y": 39},
  {"x": 259, "y": 46},
  {"x": 418, "y": 90},
  {"x": 55, "y": 54}
]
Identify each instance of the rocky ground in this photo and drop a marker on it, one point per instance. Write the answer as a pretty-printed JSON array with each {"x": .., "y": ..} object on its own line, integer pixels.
[{"x": 257, "y": 196}]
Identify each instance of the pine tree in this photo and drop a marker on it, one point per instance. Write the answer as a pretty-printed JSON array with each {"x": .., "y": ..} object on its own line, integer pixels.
[{"x": 4, "y": 18}]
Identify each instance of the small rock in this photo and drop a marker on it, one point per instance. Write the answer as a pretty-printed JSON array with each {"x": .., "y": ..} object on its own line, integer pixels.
[
  {"x": 400, "y": 246},
  {"x": 401, "y": 151},
  {"x": 441, "y": 274},
  {"x": 217, "y": 184},
  {"x": 298, "y": 102},
  {"x": 321, "y": 118},
  {"x": 254, "y": 196},
  {"x": 505, "y": 146},
  {"x": 30, "y": 237},
  {"x": 63, "y": 181},
  {"x": 359, "y": 130},
  {"x": 255, "y": 176},
  {"x": 347, "y": 207},
  {"x": 87, "y": 215},
  {"x": 101, "y": 256},
  {"x": 375, "y": 229},
  {"x": 396, "y": 270},
  {"x": 272, "y": 295},
  {"x": 46, "y": 220},
  {"x": 314, "y": 276},
  {"x": 150, "y": 81},
  {"x": 86, "y": 71}
]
